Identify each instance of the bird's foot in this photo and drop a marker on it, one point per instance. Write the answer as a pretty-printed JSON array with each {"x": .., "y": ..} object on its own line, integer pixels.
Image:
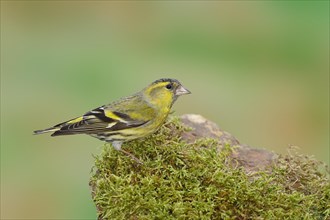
[{"x": 131, "y": 156}]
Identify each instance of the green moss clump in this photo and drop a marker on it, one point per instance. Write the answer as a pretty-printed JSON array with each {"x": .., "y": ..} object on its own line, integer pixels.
[{"x": 195, "y": 181}]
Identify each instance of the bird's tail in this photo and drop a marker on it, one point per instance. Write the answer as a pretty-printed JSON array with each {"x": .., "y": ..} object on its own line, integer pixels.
[
  {"x": 52, "y": 129},
  {"x": 60, "y": 126}
]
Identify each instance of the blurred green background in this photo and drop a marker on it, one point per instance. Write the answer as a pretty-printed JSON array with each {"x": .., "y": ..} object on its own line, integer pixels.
[{"x": 260, "y": 70}]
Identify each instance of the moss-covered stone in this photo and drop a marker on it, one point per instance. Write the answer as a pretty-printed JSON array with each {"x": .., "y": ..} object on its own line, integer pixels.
[{"x": 196, "y": 180}]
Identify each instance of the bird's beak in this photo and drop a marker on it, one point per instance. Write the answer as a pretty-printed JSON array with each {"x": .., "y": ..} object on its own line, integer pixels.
[{"x": 181, "y": 91}]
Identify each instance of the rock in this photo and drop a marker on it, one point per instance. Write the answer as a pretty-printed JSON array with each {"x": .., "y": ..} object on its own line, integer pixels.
[
  {"x": 252, "y": 159},
  {"x": 205, "y": 172}
]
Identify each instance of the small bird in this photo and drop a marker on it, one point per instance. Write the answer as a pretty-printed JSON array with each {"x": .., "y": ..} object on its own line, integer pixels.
[{"x": 128, "y": 118}]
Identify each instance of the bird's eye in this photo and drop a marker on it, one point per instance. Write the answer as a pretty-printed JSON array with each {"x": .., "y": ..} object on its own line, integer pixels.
[{"x": 169, "y": 86}]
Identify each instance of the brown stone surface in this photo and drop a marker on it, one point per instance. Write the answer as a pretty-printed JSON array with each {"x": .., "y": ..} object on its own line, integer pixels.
[{"x": 252, "y": 159}]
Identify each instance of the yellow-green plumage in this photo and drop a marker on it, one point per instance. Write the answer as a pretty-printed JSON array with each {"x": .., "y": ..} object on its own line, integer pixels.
[{"x": 129, "y": 118}]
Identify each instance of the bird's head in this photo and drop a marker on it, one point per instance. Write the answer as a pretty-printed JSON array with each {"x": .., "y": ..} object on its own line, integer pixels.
[{"x": 164, "y": 92}]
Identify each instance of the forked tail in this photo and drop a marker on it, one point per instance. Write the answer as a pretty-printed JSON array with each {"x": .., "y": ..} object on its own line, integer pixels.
[{"x": 52, "y": 129}]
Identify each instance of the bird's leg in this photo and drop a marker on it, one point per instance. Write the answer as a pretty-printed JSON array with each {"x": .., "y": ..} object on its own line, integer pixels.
[
  {"x": 131, "y": 156},
  {"x": 117, "y": 146}
]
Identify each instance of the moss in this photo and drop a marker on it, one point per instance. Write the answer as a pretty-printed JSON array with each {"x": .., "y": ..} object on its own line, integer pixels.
[{"x": 180, "y": 180}]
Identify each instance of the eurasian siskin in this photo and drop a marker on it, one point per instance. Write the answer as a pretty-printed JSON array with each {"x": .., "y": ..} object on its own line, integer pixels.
[{"x": 129, "y": 118}]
